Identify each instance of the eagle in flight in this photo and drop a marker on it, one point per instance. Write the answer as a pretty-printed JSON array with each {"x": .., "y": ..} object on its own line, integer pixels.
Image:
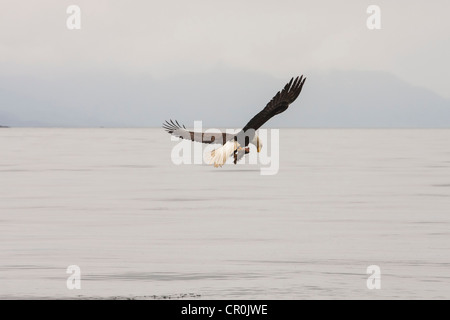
[{"x": 237, "y": 144}]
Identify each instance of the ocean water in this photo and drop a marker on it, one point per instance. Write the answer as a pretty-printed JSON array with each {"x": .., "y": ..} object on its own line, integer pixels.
[{"x": 112, "y": 202}]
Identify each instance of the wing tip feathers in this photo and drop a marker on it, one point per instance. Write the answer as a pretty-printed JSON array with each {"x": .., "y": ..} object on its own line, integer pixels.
[{"x": 170, "y": 126}]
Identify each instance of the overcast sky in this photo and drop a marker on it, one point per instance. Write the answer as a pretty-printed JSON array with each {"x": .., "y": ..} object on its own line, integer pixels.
[{"x": 161, "y": 40}]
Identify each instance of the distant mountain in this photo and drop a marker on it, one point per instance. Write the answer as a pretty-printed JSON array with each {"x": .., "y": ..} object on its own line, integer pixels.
[
  {"x": 370, "y": 99},
  {"x": 223, "y": 98},
  {"x": 5, "y": 119},
  {"x": 28, "y": 109}
]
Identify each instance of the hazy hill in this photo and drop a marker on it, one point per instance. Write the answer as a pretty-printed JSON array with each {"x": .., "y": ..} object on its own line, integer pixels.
[{"x": 221, "y": 99}]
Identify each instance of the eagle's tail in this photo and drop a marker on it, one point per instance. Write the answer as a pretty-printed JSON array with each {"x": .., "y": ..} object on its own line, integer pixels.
[{"x": 219, "y": 156}]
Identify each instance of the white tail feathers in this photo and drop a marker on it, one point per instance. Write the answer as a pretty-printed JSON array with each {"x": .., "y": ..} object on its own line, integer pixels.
[{"x": 219, "y": 156}]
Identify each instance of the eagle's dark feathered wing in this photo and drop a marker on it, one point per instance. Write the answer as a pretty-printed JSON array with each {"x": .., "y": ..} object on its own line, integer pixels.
[
  {"x": 278, "y": 104},
  {"x": 180, "y": 131}
]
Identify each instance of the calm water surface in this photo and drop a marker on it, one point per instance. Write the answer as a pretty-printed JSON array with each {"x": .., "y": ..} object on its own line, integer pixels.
[{"x": 112, "y": 202}]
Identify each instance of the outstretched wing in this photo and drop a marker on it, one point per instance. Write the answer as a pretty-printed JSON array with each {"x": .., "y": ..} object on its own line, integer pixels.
[
  {"x": 278, "y": 104},
  {"x": 177, "y": 130}
]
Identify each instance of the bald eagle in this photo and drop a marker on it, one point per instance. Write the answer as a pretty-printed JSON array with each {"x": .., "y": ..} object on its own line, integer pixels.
[{"x": 238, "y": 144}]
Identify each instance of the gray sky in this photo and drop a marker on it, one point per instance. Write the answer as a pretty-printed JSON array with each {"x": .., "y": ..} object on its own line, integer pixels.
[{"x": 159, "y": 41}]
